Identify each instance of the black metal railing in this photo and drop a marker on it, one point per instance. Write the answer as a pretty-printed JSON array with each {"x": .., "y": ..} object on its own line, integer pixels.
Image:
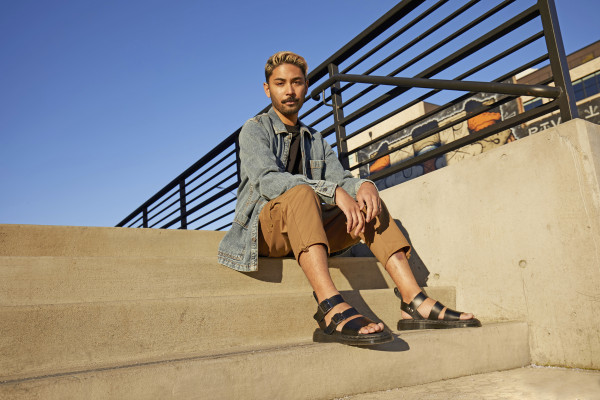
[{"x": 430, "y": 52}]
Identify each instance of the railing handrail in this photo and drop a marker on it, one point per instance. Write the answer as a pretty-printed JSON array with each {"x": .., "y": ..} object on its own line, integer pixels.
[{"x": 470, "y": 86}]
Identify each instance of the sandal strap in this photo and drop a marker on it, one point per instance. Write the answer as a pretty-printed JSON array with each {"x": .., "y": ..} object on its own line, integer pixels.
[
  {"x": 326, "y": 305},
  {"x": 411, "y": 308},
  {"x": 354, "y": 325},
  {"x": 436, "y": 310},
  {"x": 339, "y": 318},
  {"x": 451, "y": 315}
]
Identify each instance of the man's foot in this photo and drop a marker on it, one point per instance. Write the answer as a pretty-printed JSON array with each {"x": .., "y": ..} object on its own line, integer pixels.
[
  {"x": 365, "y": 330},
  {"x": 338, "y": 322},
  {"x": 425, "y": 313},
  {"x": 425, "y": 310}
]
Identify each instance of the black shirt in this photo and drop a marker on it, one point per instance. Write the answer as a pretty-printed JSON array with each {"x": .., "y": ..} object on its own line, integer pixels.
[{"x": 294, "y": 164}]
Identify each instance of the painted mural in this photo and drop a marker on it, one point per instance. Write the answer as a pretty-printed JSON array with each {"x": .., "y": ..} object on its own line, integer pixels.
[
  {"x": 589, "y": 110},
  {"x": 445, "y": 119}
]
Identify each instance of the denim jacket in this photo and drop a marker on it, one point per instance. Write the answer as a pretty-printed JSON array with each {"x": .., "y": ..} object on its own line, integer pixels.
[{"x": 264, "y": 145}]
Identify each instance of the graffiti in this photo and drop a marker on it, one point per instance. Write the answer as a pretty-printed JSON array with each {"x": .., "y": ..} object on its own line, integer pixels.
[
  {"x": 448, "y": 130},
  {"x": 588, "y": 109},
  {"x": 591, "y": 111}
]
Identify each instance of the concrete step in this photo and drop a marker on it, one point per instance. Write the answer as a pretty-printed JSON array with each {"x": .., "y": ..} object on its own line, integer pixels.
[
  {"x": 302, "y": 371},
  {"x": 54, "y": 280},
  {"x": 517, "y": 384},
  {"x": 77, "y": 241},
  {"x": 58, "y": 338}
]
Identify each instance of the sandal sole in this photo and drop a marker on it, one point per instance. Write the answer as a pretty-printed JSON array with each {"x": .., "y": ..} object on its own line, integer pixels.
[
  {"x": 361, "y": 340},
  {"x": 411, "y": 324}
]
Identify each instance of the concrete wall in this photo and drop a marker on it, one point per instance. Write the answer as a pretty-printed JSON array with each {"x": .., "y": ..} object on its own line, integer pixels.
[{"x": 517, "y": 231}]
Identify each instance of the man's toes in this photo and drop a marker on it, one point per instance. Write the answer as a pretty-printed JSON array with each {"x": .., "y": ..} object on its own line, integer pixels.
[{"x": 466, "y": 316}]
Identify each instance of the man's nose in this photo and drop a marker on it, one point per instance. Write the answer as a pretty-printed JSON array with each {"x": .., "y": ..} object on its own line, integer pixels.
[{"x": 289, "y": 89}]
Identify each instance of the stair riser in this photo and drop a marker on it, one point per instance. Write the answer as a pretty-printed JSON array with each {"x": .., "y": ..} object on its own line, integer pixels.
[
  {"x": 319, "y": 371},
  {"x": 42, "y": 340}
]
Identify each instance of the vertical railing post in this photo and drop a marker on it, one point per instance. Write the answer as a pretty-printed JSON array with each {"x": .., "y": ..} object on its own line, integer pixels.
[
  {"x": 145, "y": 217},
  {"x": 182, "y": 205},
  {"x": 558, "y": 60},
  {"x": 338, "y": 116}
]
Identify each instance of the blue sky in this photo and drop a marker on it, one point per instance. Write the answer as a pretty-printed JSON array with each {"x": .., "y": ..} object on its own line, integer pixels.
[{"x": 104, "y": 102}]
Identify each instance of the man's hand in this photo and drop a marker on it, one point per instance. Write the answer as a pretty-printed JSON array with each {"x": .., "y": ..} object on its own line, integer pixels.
[
  {"x": 368, "y": 197},
  {"x": 355, "y": 219}
]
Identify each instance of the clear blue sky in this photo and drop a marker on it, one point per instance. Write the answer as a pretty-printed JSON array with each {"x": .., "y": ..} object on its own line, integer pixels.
[{"x": 102, "y": 103}]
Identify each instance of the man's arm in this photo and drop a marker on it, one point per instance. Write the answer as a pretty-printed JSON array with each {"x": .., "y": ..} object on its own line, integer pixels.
[{"x": 351, "y": 188}]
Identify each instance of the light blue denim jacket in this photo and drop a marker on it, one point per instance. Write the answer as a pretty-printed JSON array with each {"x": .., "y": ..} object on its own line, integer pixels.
[{"x": 264, "y": 150}]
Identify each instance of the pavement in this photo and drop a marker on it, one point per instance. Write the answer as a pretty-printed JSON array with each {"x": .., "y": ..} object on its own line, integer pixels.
[{"x": 535, "y": 383}]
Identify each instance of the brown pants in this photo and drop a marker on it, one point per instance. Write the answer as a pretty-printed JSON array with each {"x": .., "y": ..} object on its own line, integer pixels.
[{"x": 296, "y": 220}]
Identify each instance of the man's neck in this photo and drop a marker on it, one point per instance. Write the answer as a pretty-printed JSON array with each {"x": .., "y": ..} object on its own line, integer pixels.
[{"x": 287, "y": 120}]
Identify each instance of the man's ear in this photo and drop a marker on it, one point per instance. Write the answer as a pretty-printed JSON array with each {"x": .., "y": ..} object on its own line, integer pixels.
[
  {"x": 306, "y": 88},
  {"x": 267, "y": 91}
]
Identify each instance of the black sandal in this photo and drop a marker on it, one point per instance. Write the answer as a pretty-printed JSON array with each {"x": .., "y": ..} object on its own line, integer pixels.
[
  {"x": 451, "y": 317},
  {"x": 349, "y": 334}
]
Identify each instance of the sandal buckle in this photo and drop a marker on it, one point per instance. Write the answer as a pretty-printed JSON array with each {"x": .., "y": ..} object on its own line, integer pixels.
[
  {"x": 337, "y": 318},
  {"x": 325, "y": 306}
]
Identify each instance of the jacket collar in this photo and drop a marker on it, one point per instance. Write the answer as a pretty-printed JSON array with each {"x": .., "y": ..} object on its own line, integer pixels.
[{"x": 279, "y": 126}]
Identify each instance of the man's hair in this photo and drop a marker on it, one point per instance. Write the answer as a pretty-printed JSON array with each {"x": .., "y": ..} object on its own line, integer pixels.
[{"x": 284, "y": 57}]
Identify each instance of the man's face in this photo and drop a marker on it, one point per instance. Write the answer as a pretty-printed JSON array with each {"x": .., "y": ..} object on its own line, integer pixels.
[{"x": 287, "y": 88}]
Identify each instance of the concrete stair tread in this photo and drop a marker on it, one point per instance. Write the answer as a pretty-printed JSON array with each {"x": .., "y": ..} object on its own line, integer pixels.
[
  {"x": 301, "y": 370},
  {"x": 46, "y": 240},
  {"x": 521, "y": 383}
]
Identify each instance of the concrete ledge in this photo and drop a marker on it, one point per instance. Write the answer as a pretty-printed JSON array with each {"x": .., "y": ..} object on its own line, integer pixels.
[
  {"x": 78, "y": 241},
  {"x": 310, "y": 371},
  {"x": 517, "y": 231}
]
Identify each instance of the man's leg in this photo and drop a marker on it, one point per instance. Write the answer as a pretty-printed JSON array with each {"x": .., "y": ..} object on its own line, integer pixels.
[
  {"x": 293, "y": 223},
  {"x": 389, "y": 246}
]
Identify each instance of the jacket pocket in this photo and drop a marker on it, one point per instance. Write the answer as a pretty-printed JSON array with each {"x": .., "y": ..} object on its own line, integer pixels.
[
  {"x": 316, "y": 169},
  {"x": 241, "y": 219}
]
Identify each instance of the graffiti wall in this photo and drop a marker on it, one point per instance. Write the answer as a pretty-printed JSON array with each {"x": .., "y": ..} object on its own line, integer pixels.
[
  {"x": 453, "y": 130},
  {"x": 589, "y": 110}
]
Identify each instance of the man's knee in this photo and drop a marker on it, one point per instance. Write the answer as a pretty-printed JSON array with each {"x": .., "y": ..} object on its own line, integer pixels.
[{"x": 303, "y": 191}]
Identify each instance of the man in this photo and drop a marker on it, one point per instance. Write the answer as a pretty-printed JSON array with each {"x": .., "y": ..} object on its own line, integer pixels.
[{"x": 287, "y": 172}]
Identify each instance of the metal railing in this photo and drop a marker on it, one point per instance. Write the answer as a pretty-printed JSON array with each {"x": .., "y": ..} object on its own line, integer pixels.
[{"x": 438, "y": 45}]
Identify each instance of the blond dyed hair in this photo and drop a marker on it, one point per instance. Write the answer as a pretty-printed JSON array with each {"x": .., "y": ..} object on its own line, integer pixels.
[{"x": 285, "y": 57}]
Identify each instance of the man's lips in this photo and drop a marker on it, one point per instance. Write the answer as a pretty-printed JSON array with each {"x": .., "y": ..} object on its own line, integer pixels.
[{"x": 290, "y": 101}]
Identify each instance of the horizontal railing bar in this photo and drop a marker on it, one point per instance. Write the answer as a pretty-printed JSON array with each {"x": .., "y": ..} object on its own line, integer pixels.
[
  {"x": 211, "y": 199},
  {"x": 417, "y": 40},
  {"x": 176, "y": 192},
  {"x": 434, "y": 47},
  {"x": 212, "y": 188},
  {"x": 399, "y": 11},
  {"x": 472, "y": 138},
  {"x": 232, "y": 152},
  {"x": 437, "y": 130},
  {"x": 464, "y": 52},
  {"x": 193, "y": 168},
  {"x": 437, "y": 110},
  {"x": 214, "y": 197},
  {"x": 459, "y": 77},
  {"x": 213, "y": 210},
  {"x": 231, "y": 164},
  {"x": 445, "y": 84},
  {"x": 396, "y": 34},
  {"x": 166, "y": 216},
  {"x": 216, "y": 219}
]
